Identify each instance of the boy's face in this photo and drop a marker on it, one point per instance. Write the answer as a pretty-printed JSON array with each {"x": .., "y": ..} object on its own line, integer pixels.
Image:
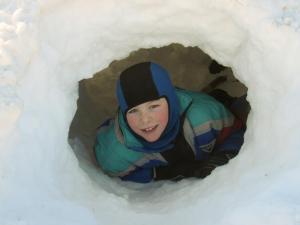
[{"x": 149, "y": 119}]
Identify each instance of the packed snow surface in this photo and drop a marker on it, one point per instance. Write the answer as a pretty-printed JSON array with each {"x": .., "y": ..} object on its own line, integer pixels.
[{"x": 46, "y": 47}]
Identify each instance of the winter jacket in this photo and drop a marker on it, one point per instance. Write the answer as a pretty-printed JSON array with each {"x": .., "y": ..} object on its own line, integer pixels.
[{"x": 207, "y": 129}]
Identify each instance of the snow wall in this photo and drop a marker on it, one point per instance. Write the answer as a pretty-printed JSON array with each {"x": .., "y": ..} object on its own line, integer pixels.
[{"x": 46, "y": 47}]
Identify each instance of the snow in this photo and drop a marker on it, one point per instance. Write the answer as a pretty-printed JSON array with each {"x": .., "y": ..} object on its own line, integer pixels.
[{"x": 46, "y": 47}]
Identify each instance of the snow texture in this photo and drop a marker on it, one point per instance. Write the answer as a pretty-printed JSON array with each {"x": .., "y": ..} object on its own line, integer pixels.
[{"x": 46, "y": 47}]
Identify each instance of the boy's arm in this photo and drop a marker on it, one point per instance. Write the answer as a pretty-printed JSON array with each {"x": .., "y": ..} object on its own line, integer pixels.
[
  {"x": 233, "y": 142},
  {"x": 220, "y": 135},
  {"x": 139, "y": 175},
  {"x": 198, "y": 169},
  {"x": 134, "y": 174}
]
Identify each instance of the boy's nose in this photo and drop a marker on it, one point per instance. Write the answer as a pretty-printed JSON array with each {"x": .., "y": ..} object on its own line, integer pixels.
[{"x": 145, "y": 118}]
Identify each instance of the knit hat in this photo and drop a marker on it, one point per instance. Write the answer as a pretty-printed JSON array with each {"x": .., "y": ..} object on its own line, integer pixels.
[{"x": 148, "y": 81}]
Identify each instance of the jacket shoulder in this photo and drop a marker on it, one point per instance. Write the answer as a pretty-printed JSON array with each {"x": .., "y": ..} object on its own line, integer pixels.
[
  {"x": 112, "y": 155},
  {"x": 203, "y": 108}
]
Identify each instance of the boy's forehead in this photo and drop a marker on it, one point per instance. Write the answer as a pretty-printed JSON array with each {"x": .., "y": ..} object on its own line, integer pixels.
[{"x": 156, "y": 100}]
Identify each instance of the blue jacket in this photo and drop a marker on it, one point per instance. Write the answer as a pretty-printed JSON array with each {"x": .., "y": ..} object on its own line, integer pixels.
[{"x": 208, "y": 126}]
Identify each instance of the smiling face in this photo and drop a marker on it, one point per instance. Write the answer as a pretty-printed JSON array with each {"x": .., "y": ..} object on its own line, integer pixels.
[{"x": 149, "y": 119}]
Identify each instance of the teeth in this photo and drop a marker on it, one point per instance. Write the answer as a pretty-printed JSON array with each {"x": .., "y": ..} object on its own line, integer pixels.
[{"x": 149, "y": 129}]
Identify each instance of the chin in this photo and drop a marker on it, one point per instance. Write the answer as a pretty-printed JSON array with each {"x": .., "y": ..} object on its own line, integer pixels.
[{"x": 151, "y": 139}]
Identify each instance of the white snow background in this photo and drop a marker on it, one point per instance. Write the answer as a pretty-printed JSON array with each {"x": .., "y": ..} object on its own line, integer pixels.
[{"x": 47, "y": 46}]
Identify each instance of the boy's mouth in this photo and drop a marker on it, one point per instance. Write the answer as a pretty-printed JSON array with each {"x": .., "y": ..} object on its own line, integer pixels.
[{"x": 149, "y": 129}]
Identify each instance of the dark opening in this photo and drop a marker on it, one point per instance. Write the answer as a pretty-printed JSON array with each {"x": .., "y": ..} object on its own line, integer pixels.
[{"x": 189, "y": 67}]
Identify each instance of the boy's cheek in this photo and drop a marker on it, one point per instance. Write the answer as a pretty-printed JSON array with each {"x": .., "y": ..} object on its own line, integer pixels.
[
  {"x": 132, "y": 122},
  {"x": 163, "y": 117}
]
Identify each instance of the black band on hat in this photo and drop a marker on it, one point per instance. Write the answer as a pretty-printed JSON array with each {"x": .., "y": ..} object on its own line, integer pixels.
[{"x": 137, "y": 85}]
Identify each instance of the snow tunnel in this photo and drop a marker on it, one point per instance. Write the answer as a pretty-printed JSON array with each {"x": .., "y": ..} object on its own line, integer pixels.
[{"x": 48, "y": 47}]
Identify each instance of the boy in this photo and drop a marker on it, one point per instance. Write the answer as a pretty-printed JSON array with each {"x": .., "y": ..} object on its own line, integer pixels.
[{"x": 164, "y": 133}]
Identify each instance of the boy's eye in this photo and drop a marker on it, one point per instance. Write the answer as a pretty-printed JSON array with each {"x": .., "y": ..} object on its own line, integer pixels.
[{"x": 154, "y": 106}]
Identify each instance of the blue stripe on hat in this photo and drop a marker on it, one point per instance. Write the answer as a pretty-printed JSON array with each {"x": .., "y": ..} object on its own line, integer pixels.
[{"x": 120, "y": 96}]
